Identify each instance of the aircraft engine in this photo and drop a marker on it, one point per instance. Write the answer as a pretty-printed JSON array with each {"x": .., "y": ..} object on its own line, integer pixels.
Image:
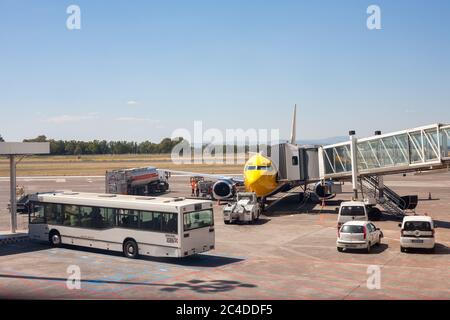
[
  {"x": 223, "y": 189},
  {"x": 323, "y": 192}
]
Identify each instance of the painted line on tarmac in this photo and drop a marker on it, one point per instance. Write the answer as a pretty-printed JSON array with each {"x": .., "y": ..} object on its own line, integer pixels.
[{"x": 46, "y": 178}]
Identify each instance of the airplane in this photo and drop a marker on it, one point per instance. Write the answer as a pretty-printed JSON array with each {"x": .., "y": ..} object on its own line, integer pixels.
[{"x": 260, "y": 176}]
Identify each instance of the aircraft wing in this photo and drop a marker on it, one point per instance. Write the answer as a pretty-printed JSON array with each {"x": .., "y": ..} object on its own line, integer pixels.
[{"x": 235, "y": 178}]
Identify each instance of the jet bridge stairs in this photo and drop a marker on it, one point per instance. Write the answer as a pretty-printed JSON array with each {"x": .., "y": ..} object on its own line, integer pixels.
[{"x": 385, "y": 197}]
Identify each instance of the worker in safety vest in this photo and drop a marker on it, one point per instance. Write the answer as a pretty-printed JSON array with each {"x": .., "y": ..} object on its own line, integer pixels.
[
  {"x": 193, "y": 186},
  {"x": 197, "y": 189}
]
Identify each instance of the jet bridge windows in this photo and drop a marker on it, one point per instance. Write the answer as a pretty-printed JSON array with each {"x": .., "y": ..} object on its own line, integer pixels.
[
  {"x": 445, "y": 142},
  {"x": 409, "y": 148}
]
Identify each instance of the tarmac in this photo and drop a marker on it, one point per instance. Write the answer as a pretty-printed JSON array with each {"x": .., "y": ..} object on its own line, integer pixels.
[{"x": 289, "y": 254}]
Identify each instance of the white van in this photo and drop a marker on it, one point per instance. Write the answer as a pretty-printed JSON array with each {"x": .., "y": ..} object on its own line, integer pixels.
[
  {"x": 352, "y": 210},
  {"x": 417, "y": 232}
]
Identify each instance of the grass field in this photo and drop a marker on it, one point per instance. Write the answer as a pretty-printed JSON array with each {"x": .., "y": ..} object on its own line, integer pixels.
[{"x": 98, "y": 164}]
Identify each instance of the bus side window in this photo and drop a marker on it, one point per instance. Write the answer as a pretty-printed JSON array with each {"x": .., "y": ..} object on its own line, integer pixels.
[
  {"x": 97, "y": 219},
  {"x": 54, "y": 213},
  {"x": 157, "y": 221},
  {"x": 150, "y": 221},
  {"x": 170, "y": 223},
  {"x": 109, "y": 217},
  {"x": 84, "y": 217},
  {"x": 128, "y": 219},
  {"x": 37, "y": 214}
]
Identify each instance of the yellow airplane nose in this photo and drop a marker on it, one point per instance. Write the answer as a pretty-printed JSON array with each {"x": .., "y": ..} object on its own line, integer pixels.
[{"x": 260, "y": 176}]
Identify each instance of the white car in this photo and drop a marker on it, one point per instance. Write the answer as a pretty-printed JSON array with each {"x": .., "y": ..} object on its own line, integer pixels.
[
  {"x": 417, "y": 232},
  {"x": 358, "y": 235}
]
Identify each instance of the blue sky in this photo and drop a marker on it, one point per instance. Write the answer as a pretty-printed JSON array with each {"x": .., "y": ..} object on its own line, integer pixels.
[{"x": 138, "y": 70}]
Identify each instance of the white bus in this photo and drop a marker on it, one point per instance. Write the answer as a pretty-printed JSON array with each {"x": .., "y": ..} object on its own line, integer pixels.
[{"x": 154, "y": 226}]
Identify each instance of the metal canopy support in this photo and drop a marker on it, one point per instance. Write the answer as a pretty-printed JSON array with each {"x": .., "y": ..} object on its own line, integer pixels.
[
  {"x": 12, "y": 186},
  {"x": 11, "y": 150},
  {"x": 354, "y": 165}
]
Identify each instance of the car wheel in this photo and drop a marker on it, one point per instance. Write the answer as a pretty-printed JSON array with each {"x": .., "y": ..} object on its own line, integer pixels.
[
  {"x": 130, "y": 249},
  {"x": 340, "y": 249},
  {"x": 368, "y": 247},
  {"x": 55, "y": 238},
  {"x": 226, "y": 221},
  {"x": 402, "y": 249},
  {"x": 379, "y": 241}
]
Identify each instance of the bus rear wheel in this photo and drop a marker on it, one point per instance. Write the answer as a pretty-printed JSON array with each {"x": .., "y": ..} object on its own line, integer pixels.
[
  {"x": 130, "y": 249},
  {"x": 54, "y": 238}
]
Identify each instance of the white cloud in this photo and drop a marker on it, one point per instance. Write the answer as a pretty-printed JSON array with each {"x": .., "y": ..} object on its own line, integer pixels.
[
  {"x": 71, "y": 118},
  {"x": 136, "y": 119},
  {"x": 132, "y": 102}
]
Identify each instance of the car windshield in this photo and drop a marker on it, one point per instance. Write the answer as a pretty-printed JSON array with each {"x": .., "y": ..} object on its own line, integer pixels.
[
  {"x": 352, "y": 211},
  {"x": 198, "y": 219},
  {"x": 352, "y": 229},
  {"x": 417, "y": 225}
]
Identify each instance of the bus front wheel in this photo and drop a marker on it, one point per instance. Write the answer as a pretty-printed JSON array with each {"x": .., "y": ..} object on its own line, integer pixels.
[
  {"x": 54, "y": 238},
  {"x": 130, "y": 249}
]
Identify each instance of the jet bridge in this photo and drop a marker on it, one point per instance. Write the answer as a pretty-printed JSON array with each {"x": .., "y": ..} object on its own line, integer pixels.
[
  {"x": 417, "y": 149},
  {"x": 366, "y": 160}
]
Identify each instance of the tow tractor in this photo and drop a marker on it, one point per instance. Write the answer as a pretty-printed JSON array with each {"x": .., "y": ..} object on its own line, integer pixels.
[{"x": 245, "y": 209}]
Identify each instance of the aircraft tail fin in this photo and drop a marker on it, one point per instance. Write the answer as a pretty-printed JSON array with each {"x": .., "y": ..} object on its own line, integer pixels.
[{"x": 293, "y": 129}]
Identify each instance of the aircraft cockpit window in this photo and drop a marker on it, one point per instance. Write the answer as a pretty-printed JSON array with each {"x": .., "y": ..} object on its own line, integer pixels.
[
  {"x": 266, "y": 168},
  {"x": 251, "y": 168}
]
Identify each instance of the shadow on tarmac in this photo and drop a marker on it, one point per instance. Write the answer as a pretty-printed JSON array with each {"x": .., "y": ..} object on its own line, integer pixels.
[
  {"x": 376, "y": 249},
  {"x": 291, "y": 204},
  {"x": 442, "y": 224},
  {"x": 198, "y": 260},
  {"x": 258, "y": 222},
  {"x": 288, "y": 205},
  {"x": 212, "y": 286},
  {"x": 200, "y": 286},
  {"x": 439, "y": 249},
  {"x": 22, "y": 247}
]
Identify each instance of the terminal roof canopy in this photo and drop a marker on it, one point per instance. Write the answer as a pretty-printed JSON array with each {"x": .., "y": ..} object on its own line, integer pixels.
[{"x": 24, "y": 148}]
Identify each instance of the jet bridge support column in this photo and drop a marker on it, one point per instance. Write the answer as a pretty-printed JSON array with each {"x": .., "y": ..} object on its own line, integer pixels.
[
  {"x": 12, "y": 186},
  {"x": 353, "y": 150},
  {"x": 380, "y": 187},
  {"x": 380, "y": 178}
]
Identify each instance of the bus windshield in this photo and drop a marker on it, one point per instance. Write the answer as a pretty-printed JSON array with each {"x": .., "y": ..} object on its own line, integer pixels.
[{"x": 198, "y": 219}]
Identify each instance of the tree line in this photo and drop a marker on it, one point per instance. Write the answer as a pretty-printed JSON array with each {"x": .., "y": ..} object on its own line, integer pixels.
[{"x": 76, "y": 147}]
